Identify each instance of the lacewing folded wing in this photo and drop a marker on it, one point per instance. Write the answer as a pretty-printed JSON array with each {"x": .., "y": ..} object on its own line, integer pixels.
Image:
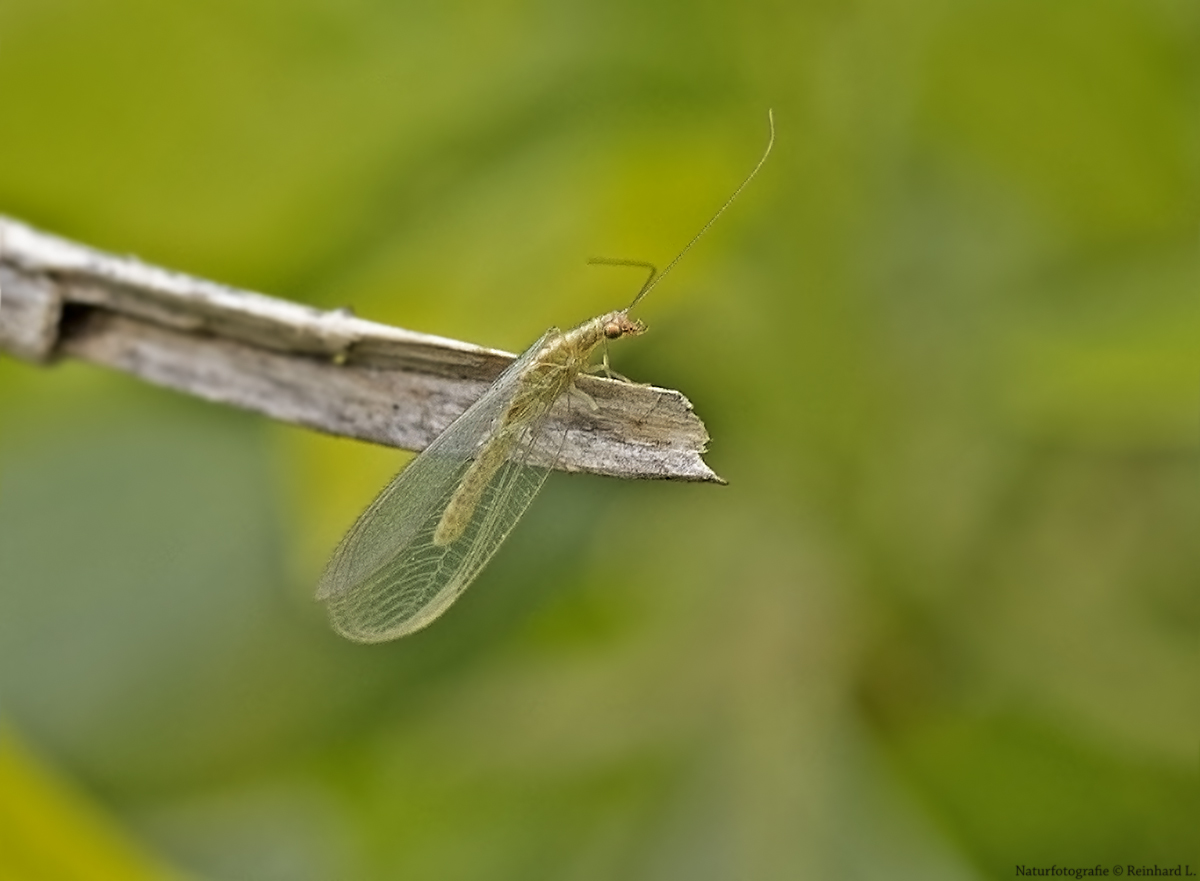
[{"x": 388, "y": 577}]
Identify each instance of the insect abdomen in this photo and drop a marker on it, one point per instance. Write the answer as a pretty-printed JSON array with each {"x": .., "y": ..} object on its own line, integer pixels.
[
  {"x": 462, "y": 505},
  {"x": 546, "y": 379}
]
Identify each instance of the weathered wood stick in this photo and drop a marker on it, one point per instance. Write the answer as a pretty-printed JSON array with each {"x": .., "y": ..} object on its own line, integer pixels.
[{"x": 329, "y": 371}]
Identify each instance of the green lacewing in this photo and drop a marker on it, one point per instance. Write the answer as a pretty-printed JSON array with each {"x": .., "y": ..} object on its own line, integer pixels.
[{"x": 434, "y": 527}]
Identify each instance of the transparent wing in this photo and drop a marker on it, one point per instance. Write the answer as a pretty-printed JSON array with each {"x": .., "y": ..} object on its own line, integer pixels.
[{"x": 388, "y": 577}]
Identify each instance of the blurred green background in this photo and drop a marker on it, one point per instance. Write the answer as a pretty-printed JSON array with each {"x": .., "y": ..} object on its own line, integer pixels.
[{"x": 943, "y": 621}]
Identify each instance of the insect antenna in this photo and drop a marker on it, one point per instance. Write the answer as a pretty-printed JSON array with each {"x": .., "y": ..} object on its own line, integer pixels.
[
  {"x": 640, "y": 264},
  {"x": 656, "y": 277}
]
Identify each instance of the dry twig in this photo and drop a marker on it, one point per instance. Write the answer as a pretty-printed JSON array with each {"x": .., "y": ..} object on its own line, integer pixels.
[{"x": 329, "y": 371}]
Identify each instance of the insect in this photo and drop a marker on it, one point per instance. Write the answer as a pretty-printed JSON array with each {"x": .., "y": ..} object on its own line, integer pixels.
[{"x": 430, "y": 531}]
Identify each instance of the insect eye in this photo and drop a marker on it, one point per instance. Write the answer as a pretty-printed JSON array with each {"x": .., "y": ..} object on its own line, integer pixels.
[{"x": 612, "y": 330}]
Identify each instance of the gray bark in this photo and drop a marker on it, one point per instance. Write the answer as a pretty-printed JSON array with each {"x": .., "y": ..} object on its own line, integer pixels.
[{"x": 328, "y": 371}]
